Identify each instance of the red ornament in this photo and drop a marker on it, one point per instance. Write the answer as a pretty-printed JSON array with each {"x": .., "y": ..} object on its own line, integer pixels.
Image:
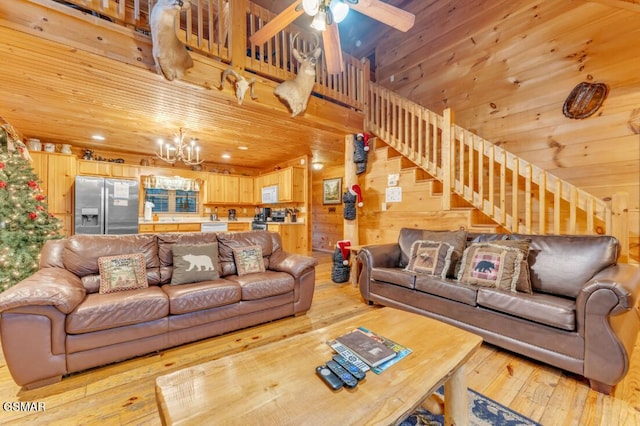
[
  {"x": 33, "y": 215},
  {"x": 40, "y": 197},
  {"x": 32, "y": 184},
  {"x": 1, "y": 165},
  {"x": 40, "y": 208},
  {"x": 3, "y": 184}
]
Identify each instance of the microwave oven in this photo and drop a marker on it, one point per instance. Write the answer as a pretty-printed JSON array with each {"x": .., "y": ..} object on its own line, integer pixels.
[{"x": 270, "y": 194}]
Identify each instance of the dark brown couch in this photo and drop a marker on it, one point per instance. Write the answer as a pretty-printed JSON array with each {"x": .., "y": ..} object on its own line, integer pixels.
[
  {"x": 56, "y": 322},
  {"x": 582, "y": 316}
]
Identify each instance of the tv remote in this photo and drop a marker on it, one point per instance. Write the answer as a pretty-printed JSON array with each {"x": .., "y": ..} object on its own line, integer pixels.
[
  {"x": 328, "y": 377},
  {"x": 355, "y": 371},
  {"x": 346, "y": 377},
  {"x": 348, "y": 355}
]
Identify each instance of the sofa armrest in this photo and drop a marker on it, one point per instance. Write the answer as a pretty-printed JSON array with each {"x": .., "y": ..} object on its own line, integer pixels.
[
  {"x": 291, "y": 263},
  {"x": 608, "y": 318},
  {"x": 376, "y": 256},
  {"x": 47, "y": 287}
]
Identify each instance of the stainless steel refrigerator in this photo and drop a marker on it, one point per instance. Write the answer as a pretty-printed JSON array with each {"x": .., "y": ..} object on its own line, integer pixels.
[{"x": 106, "y": 206}]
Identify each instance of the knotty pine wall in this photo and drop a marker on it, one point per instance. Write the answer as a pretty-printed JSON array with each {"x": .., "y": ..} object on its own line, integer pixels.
[
  {"x": 506, "y": 67},
  {"x": 327, "y": 220}
]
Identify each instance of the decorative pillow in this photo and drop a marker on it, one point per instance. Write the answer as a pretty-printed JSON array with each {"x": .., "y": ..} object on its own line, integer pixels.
[
  {"x": 121, "y": 273},
  {"x": 407, "y": 237},
  {"x": 499, "y": 264},
  {"x": 193, "y": 263},
  {"x": 248, "y": 260},
  {"x": 430, "y": 258}
]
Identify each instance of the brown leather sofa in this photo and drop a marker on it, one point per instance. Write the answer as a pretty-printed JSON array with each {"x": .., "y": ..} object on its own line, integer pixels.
[
  {"x": 582, "y": 315},
  {"x": 56, "y": 322}
]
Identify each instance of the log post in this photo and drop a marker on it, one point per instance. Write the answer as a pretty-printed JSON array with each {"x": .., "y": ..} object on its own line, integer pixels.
[{"x": 350, "y": 229}]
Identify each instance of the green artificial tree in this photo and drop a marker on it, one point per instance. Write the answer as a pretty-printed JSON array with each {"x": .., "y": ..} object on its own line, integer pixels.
[{"x": 25, "y": 221}]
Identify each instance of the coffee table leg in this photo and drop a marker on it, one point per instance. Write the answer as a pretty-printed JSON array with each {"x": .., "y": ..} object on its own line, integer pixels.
[{"x": 456, "y": 399}]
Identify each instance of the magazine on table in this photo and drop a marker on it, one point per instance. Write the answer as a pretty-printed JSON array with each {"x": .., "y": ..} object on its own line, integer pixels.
[
  {"x": 367, "y": 347},
  {"x": 400, "y": 350}
]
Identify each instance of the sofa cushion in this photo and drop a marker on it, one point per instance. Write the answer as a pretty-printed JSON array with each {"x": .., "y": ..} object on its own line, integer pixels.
[
  {"x": 81, "y": 254},
  {"x": 396, "y": 276},
  {"x": 194, "y": 262},
  {"x": 430, "y": 257},
  {"x": 542, "y": 308},
  {"x": 248, "y": 260},
  {"x": 263, "y": 284},
  {"x": 111, "y": 310},
  {"x": 449, "y": 289},
  {"x": 122, "y": 272},
  {"x": 561, "y": 264},
  {"x": 165, "y": 252},
  {"x": 227, "y": 241},
  {"x": 408, "y": 236},
  {"x": 499, "y": 264},
  {"x": 202, "y": 295}
]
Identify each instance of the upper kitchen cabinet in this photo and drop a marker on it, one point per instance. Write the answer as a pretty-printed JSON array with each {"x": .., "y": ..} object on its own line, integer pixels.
[
  {"x": 290, "y": 182},
  {"x": 229, "y": 189}
]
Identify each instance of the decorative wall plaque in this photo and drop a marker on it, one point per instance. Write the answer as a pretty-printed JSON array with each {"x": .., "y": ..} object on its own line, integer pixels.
[{"x": 584, "y": 100}]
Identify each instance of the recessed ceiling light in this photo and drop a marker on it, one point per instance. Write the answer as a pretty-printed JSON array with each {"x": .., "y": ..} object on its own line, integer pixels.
[
  {"x": 243, "y": 148},
  {"x": 98, "y": 137},
  {"x": 226, "y": 156}
]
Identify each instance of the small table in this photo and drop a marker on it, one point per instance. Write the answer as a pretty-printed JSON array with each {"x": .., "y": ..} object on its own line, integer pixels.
[{"x": 277, "y": 384}]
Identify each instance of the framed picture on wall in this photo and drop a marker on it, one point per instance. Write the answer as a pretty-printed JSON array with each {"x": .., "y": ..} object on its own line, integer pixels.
[{"x": 332, "y": 191}]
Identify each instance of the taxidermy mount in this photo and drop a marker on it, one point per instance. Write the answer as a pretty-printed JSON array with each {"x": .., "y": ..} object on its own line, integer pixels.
[
  {"x": 241, "y": 84},
  {"x": 169, "y": 53}
]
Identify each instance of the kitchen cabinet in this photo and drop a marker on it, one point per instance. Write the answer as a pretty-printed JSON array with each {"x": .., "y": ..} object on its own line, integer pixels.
[
  {"x": 290, "y": 182},
  {"x": 94, "y": 168},
  {"x": 124, "y": 170},
  {"x": 229, "y": 189},
  {"x": 57, "y": 172},
  {"x": 293, "y": 237},
  {"x": 238, "y": 226},
  {"x": 147, "y": 228}
]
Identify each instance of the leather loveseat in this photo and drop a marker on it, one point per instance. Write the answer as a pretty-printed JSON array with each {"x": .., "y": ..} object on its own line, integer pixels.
[
  {"x": 58, "y": 321},
  {"x": 581, "y": 312}
]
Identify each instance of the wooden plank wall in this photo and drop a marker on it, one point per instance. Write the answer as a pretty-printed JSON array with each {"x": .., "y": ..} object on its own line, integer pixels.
[
  {"x": 506, "y": 68},
  {"x": 327, "y": 220}
]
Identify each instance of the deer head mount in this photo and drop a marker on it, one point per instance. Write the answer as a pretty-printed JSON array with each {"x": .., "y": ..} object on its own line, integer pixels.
[
  {"x": 295, "y": 93},
  {"x": 170, "y": 55},
  {"x": 241, "y": 84}
]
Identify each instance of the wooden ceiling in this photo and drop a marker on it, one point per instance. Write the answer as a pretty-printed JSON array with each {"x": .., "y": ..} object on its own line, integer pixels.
[{"x": 63, "y": 87}]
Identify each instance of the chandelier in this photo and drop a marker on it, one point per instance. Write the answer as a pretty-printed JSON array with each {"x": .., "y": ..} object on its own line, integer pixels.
[{"x": 188, "y": 153}]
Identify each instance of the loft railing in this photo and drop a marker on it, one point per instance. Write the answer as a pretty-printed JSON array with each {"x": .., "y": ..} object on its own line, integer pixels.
[
  {"x": 221, "y": 29},
  {"x": 516, "y": 194}
]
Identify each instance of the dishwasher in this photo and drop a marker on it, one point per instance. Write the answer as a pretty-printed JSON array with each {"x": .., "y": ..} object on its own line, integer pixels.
[{"x": 213, "y": 227}]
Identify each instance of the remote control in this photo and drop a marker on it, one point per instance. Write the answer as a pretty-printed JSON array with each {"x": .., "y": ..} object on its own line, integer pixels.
[
  {"x": 346, "y": 377},
  {"x": 355, "y": 371},
  {"x": 328, "y": 377},
  {"x": 348, "y": 355}
]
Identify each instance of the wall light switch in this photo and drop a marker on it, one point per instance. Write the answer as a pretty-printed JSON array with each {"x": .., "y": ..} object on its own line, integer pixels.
[{"x": 383, "y": 207}]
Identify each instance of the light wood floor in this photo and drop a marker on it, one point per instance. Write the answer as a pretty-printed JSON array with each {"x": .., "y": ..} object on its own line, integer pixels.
[{"x": 123, "y": 393}]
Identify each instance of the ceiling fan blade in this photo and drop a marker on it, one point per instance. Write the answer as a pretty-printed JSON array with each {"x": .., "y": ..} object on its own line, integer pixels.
[
  {"x": 277, "y": 24},
  {"x": 385, "y": 13},
  {"x": 332, "y": 49}
]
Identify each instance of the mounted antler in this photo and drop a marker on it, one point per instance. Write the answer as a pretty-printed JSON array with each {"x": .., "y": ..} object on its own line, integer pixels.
[
  {"x": 296, "y": 92},
  {"x": 241, "y": 84}
]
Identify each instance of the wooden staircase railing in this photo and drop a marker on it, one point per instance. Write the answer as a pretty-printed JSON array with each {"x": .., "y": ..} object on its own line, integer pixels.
[
  {"x": 221, "y": 29},
  {"x": 514, "y": 193}
]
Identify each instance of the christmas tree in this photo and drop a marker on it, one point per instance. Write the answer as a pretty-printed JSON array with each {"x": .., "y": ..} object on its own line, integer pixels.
[{"x": 25, "y": 223}]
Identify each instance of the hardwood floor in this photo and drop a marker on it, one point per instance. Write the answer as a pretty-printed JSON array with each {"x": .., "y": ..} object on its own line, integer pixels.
[{"x": 123, "y": 393}]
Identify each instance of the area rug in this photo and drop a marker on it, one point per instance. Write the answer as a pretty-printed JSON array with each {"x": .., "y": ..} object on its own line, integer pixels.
[{"x": 482, "y": 412}]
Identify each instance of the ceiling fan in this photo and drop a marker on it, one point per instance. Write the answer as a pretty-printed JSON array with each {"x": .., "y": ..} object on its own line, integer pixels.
[{"x": 326, "y": 16}]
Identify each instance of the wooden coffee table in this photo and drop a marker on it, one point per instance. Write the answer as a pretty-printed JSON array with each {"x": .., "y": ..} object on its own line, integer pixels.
[{"x": 276, "y": 384}]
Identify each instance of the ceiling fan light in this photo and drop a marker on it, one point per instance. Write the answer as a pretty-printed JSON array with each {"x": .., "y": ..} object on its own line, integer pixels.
[
  {"x": 339, "y": 9},
  {"x": 311, "y": 7},
  {"x": 320, "y": 21}
]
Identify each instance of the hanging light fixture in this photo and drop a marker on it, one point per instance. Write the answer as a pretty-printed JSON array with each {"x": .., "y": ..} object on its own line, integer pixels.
[
  {"x": 339, "y": 10},
  {"x": 188, "y": 153}
]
